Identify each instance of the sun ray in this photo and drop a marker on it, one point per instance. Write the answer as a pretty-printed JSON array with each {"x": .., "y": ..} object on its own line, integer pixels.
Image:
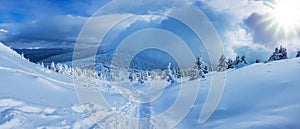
[
  {"x": 271, "y": 25},
  {"x": 283, "y": 16}
]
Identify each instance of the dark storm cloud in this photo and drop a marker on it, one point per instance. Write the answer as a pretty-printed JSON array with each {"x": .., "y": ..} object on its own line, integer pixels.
[
  {"x": 44, "y": 22},
  {"x": 54, "y": 29}
]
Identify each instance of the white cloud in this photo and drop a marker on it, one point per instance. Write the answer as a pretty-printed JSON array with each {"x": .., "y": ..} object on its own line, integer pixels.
[
  {"x": 240, "y": 38},
  {"x": 101, "y": 24},
  {"x": 3, "y": 31},
  {"x": 236, "y": 37},
  {"x": 239, "y": 9},
  {"x": 3, "y": 34}
]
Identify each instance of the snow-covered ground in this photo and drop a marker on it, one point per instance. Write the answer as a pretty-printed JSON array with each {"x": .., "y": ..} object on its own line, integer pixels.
[{"x": 264, "y": 95}]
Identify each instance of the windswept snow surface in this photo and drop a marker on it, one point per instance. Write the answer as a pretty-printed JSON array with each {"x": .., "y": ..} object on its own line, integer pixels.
[{"x": 264, "y": 95}]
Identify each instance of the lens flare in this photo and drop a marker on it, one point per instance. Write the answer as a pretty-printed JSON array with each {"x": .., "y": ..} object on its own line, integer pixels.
[{"x": 284, "y": 17}]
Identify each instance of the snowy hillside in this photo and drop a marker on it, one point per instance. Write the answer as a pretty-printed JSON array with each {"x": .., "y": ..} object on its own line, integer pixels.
[
  {"x": 264, "y": 95},
  {"x": 32, "y": 97},
  {"x": 260, "y": 96}
]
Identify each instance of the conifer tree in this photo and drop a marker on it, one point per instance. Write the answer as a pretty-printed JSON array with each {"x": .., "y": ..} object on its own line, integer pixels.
[
  {"x": 52, "y": 66},
  {"x": 42, "y": 64},
  {"x": 257, "y": 61},
  {"x": 230, "y": 64},
  {"x": 279, "y": 54},
  {"x": 222, "y": 64},
  {"x": 169, "y": 74}
]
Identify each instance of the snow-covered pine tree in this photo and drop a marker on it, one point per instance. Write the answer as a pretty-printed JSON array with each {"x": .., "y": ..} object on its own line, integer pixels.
[
  {"x": 22, "y": 55},
  {"x": 42, "y": 64},
  {"x": 146, "y": 75},
  {"x": 65, "y": 69},
  {"x": 130, "y": 76},
  {"x": 178, "y": 73},
  {"x": 169, "y": 74},
  {"x": 59, "y": 67},
  {"x": 151, "y": 75},
  {"x": 72, "y": 71},
  {"x": 77, "y": 71},
  {"x": 237, "y": 60},
  {"x": 230, "y": 64},
  {"x": 298, "y": 54},
  {"x": 95, "y": 74},
  {"x": 200, "y": 67},
  {"x": 257, "y": 61},
  {"x": 283, "y": 52},
  {"x": 52, "y": 66},
  {"x": 278, "y": 54},
  {"x": 90, "y": 73},
  {"x": 84, "y": 73},
  {"x": 140, "y": 77},
  {"x": 159, "y": 74},
  {"x": 192, "y": 73},
  {"x": 244, "y": 60},
  {"x": 222, "y": 64},
  {"x": 174, "y": 72}
]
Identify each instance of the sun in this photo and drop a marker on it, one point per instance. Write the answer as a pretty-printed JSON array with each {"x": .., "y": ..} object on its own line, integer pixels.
[{"x": 284, "y": 16}]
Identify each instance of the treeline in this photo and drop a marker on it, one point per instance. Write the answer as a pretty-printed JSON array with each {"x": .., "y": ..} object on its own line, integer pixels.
[{"x": 170, "y": 74}]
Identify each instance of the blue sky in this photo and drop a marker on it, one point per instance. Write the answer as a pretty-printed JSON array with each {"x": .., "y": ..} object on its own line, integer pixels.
[{"x": 57, "y": 23}]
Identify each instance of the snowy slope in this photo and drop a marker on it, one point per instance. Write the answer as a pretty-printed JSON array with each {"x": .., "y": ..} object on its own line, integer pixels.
[
  {"x": 264, "y": 95},
  {"x": 32, "y": 97},
  {"x": 260, "y": 96}
]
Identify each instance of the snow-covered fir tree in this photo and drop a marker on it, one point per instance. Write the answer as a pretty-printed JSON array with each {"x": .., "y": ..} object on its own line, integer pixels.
[
  {"x": 240, "y": 62},
  {"x": 22, "y": 55},
  {"x": 202, "y": 65},
  {"x": 131, "y": 77},
  {"x": 78, "y": 72},
  {"x": 230, "y": 64},
  {"x": 59, "y": 68},
  {"x": 257, "y": 61},
  {"x": 141, "y": 77},
  {"x": 237, "y": 60},
  {"x": 192, "y": 73},
  {"x": 222, "y": 64},
  {"x": 244, "y": 60},
  {"x": 42, "y": 64},
  {"x": 52, "y": 66},
  {"x": 279, "y": 54},
  {"x": 65, "y": 69},
  {"x": 201, "y": 68},
  {"x": 177, "y": 73},
  {"x": 169, "y": 74},
  {"x": 284, "y": 53}
]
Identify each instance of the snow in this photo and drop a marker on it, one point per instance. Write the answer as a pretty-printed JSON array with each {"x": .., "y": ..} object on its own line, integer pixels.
[
  {"x": 32, "y": 97},
  {"x": 263, "y": 95}
]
